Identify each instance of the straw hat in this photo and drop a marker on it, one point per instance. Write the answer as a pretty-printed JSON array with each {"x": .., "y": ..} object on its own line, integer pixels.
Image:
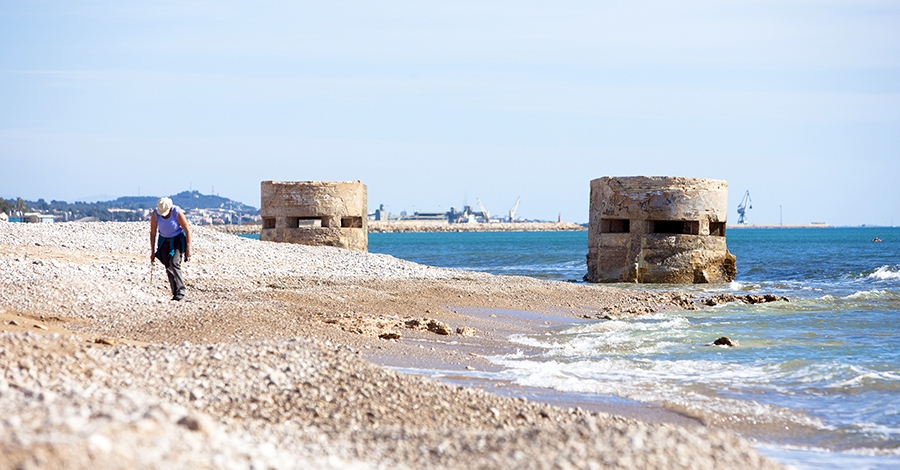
[{"x": 163, "y": 206}]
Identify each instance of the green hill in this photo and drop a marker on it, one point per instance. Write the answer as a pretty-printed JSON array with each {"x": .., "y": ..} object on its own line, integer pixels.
[{"x": 133, "y": 206}]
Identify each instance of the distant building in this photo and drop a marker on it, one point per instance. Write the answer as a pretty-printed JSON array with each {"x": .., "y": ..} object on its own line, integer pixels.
[{"x": 38, "y": 218}]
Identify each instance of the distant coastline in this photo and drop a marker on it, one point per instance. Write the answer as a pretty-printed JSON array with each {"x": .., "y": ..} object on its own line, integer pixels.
[
  {"x": 420, "y": 226},
  {"x": 812, "y": 225},
  {"x": 237, "y": 228},
  {"x": 376, "y": 226}
]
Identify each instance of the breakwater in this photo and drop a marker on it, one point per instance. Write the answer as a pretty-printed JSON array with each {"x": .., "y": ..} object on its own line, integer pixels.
[{"x": 419, "y": 226}]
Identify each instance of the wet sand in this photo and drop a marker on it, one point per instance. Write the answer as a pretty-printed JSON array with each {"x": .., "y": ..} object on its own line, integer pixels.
[{"x": 440, "y": 362}]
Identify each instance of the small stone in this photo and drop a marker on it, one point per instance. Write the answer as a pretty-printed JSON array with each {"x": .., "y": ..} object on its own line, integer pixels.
[
  {"x": 40, "y": 326},
  {"x": 199, "y": 423},
  {"x": 439, "y": 327},
  {"x": 465, "y": 331}
]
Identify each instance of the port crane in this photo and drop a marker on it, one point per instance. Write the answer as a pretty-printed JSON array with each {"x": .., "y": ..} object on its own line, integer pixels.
[
  {"x": 512, "y": 212},
  {"x": 745, "y": 204},
  {"x": 484, "y": 212}
]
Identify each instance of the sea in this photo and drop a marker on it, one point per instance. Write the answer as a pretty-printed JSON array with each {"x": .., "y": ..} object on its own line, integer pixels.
[{"x": 814, "y": 382}]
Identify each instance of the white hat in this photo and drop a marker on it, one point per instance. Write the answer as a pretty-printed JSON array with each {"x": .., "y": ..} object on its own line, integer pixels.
[{"x": 163, "y": 206}]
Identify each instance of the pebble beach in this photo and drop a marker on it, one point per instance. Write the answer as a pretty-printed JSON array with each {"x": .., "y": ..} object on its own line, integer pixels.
[{"x": 278, "y": 358}]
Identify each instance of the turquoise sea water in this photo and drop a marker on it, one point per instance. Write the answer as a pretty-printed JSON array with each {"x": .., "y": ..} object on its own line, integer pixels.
[{"x": 815, "y": 381}]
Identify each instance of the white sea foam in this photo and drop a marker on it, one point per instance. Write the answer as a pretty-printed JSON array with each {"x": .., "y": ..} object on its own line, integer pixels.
[
  {"x": 864, "y": 378},
  {"x": 680, "y": 384},
  {"x": 774, "y": 380},
  {"x": 885, "y": 273},
  {"x": 652, "y": 334},
  {"x": 803, "y": 458},
  {"x": 868, "y": 295},
  {"x": 735, "y": 286},
  {"x": 623, "y": 358}
]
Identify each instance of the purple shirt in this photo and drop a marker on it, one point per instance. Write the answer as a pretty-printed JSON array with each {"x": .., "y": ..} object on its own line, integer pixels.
[{"x": 168, "y": 227}]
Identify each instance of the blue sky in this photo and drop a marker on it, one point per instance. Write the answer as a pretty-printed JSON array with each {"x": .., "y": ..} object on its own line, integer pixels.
[{"x": 433, "y": 105}]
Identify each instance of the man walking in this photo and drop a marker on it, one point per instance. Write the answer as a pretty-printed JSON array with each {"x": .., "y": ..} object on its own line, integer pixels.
[{"x": 174, "y": 241}]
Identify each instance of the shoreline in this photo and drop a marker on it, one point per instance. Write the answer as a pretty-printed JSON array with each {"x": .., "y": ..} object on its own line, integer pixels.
[
  {"x": 106, "y": 325},
  {"x": 504, "y": 323}
]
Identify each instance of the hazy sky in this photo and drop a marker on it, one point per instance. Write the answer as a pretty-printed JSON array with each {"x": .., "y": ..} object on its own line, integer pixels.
[{"x": 435, "y": 104}]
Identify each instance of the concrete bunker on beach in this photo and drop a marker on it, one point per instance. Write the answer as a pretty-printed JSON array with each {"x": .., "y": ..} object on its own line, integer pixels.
[
  {"x": 329, "y": 213},
  {"x": 658, "y": 230}
]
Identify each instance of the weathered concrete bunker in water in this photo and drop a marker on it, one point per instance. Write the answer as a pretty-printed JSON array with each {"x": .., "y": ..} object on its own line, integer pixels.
[
  {"x": 331, "y": 213},
  {"x": 658, "y": 230}
]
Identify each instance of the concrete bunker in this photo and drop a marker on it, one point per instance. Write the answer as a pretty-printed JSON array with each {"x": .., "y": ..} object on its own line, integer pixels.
[
  {"x": 330, "y": 213},
  {"x": 658, "y": 230}
]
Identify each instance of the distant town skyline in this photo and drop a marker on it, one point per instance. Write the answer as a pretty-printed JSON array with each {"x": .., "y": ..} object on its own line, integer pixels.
[{"x": 440, "y": 105}]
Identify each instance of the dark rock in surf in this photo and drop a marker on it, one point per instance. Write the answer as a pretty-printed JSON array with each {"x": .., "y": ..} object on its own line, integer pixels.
[
  {"x": 747, "y": 299},
  {"x": 726, "y": 341}
]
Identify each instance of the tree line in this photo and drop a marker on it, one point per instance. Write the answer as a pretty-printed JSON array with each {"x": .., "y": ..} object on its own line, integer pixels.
[{"x": 134, "y": 205}]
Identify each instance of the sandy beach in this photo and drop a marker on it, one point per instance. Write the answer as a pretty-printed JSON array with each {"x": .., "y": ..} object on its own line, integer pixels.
[{"x": 277, "y": 359}]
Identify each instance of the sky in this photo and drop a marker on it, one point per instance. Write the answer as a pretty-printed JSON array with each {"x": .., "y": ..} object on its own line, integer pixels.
[{"x": 442, "y": 104}]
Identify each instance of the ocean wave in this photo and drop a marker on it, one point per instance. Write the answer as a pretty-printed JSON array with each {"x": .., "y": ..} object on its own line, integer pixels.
[
  {"x": 673, "y": 384},
  {"x": 836, "y": 378},
  {"x": 801, "y": 456},
  {"x": 885, "y": 273},
  {"x": 582, "y": 346},
  {"x": 648, "y": 335},
  {"x": 870, "y": 295},
  {"x": 635, "y": 373},
  {"x": 875, "y": 428},
  {"x": 760, "y": 397},
  {"x": 657, "y": 321},
  {"x": 870, "y": 379}
]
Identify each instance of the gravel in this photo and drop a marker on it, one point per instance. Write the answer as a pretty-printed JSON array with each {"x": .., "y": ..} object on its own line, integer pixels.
[{"x": 284, "y": 400}]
